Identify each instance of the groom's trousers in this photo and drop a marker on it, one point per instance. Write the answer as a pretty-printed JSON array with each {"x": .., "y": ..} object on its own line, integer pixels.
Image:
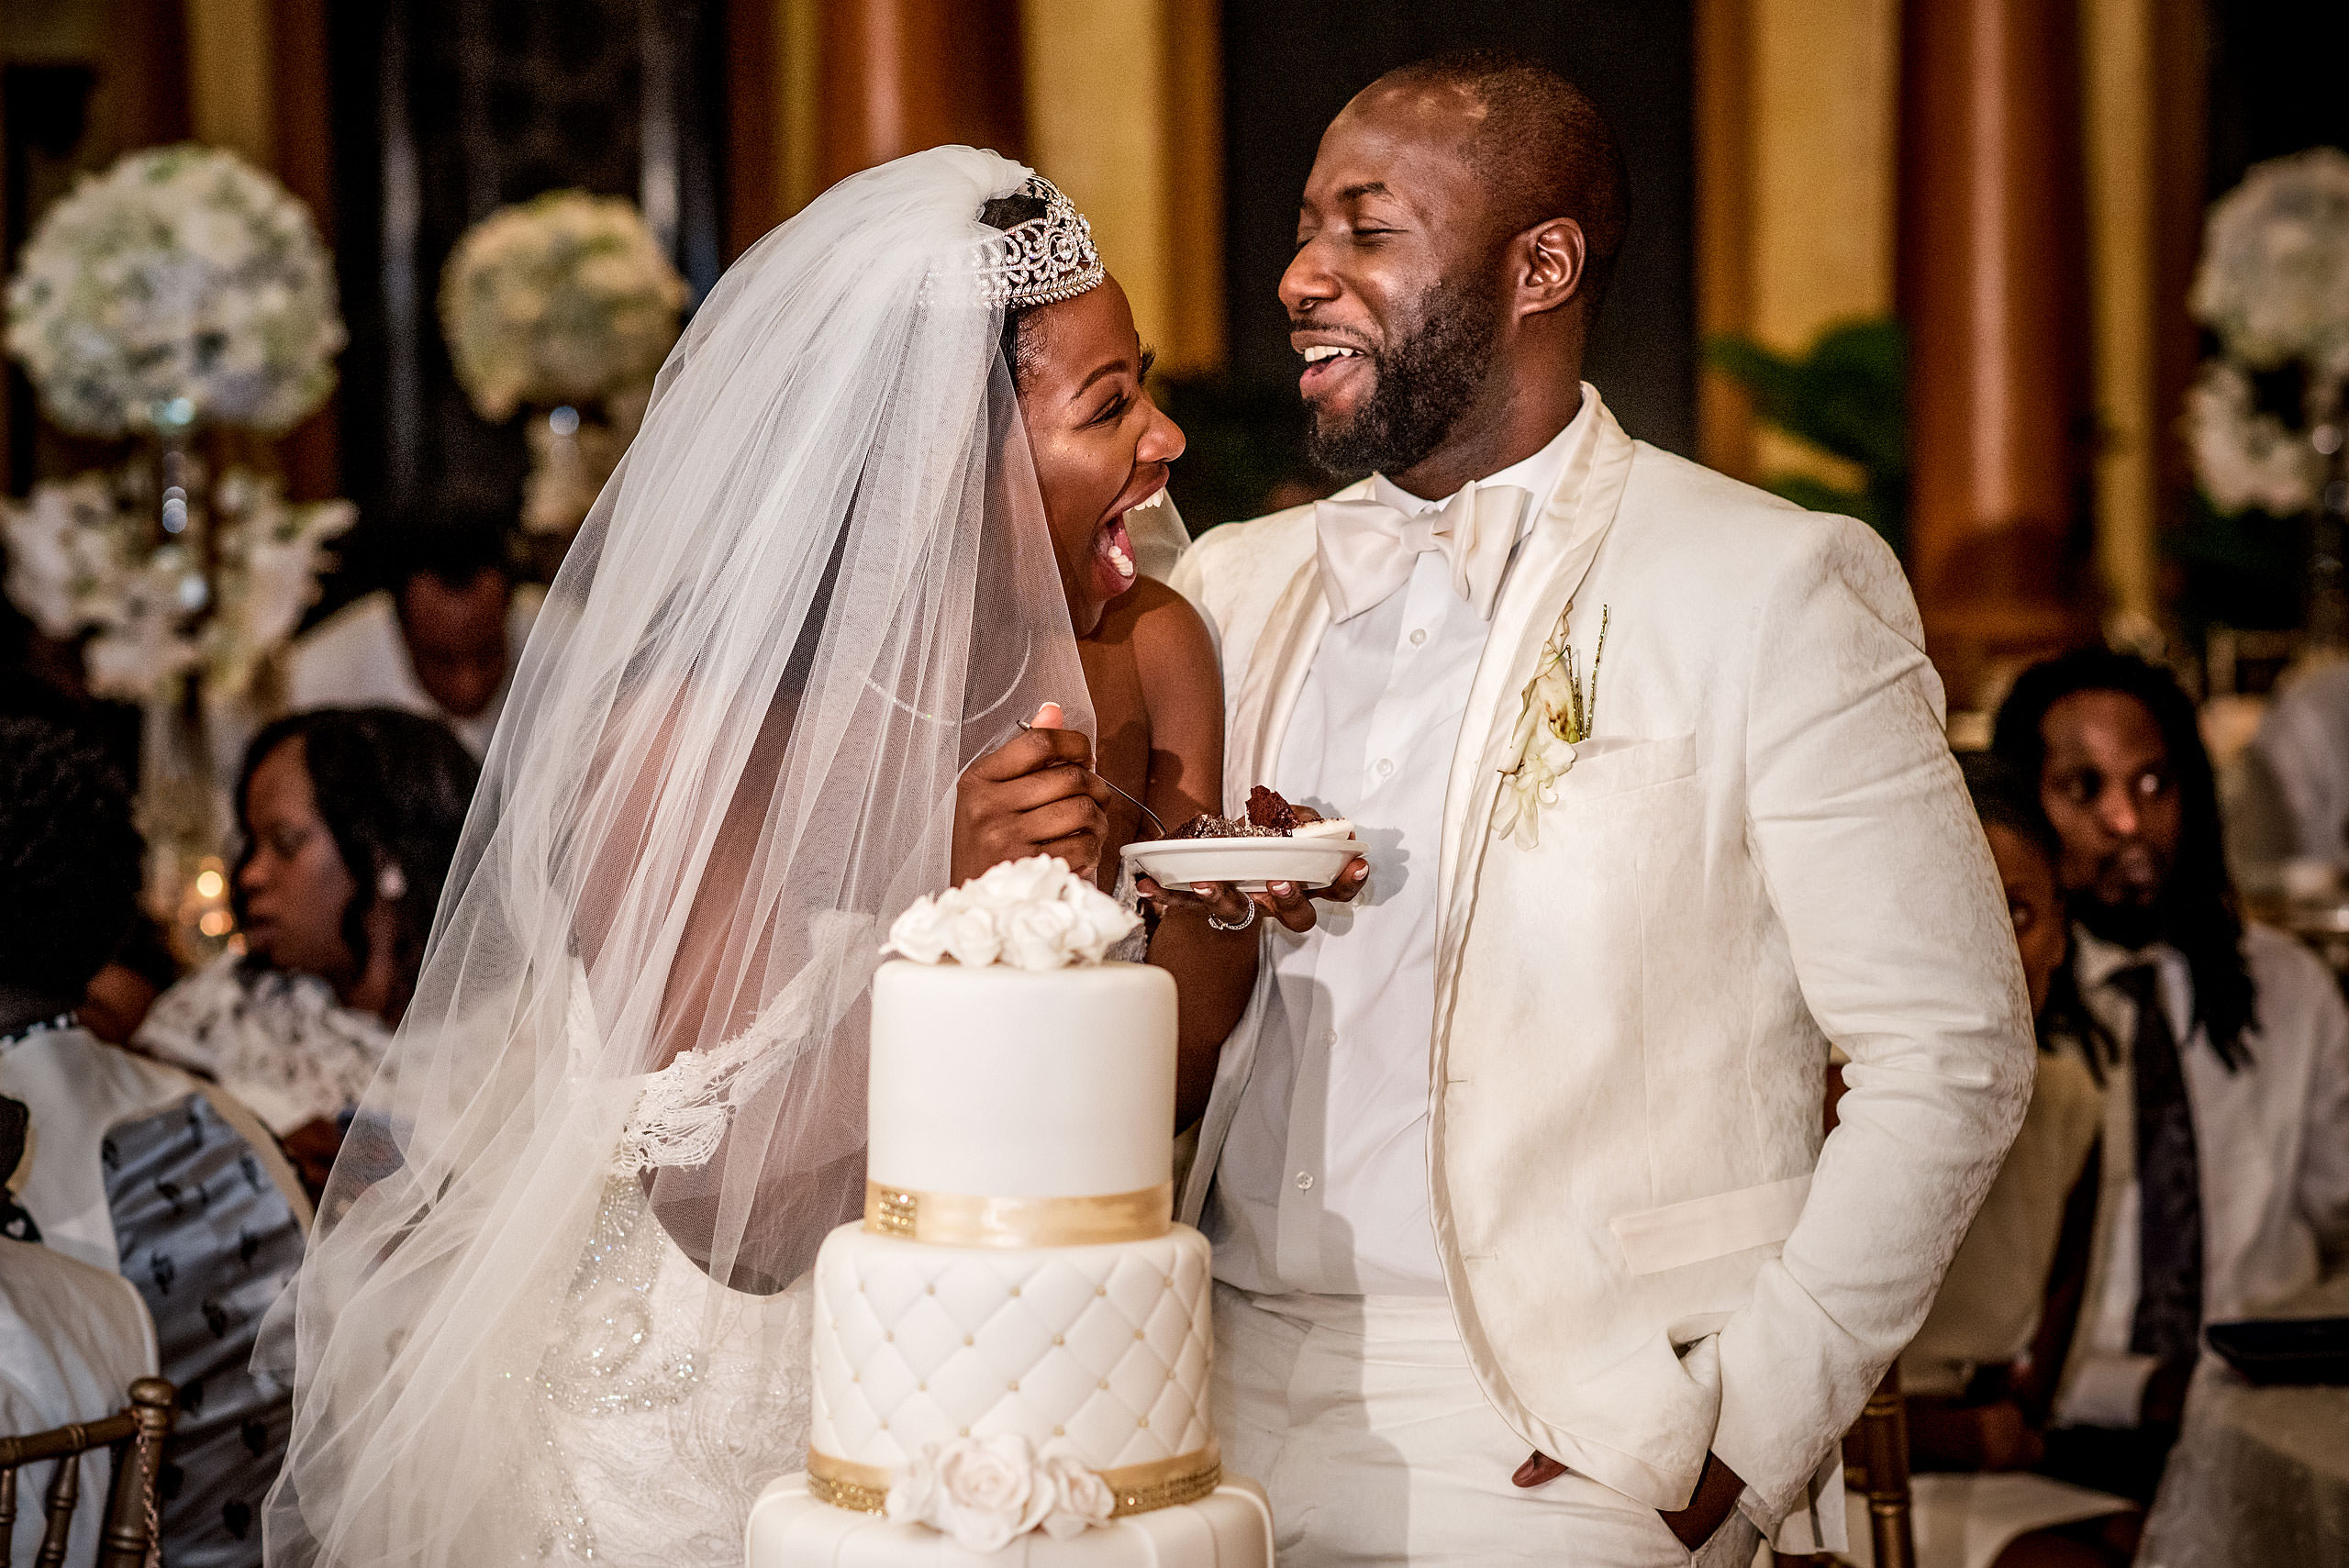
[{"x": 1361, "y": 1418}]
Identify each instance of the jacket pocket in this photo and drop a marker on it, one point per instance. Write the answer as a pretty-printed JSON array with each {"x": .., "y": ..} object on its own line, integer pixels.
[
  {"x": 1654, "y": 1240},
  {"x": 1613, "y": 767}
]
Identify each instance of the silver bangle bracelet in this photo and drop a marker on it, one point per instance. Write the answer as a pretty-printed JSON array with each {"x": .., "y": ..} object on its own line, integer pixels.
[{"x": 1235, "y": 925}]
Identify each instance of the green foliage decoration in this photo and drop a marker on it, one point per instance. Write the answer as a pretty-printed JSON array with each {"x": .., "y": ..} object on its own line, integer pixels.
[{"x": 1846, "y": 394}]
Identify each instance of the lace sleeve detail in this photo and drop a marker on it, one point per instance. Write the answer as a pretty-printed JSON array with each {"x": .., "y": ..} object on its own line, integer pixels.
[
  {"x": 1134, "y": 946},
  {"x": 681, "y": 1116}
]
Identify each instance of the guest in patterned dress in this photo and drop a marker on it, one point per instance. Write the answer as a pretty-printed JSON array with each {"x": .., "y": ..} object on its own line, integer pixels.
[
  {"x": 134, "y": 1167},
  {"x": 350, "y": 818}
]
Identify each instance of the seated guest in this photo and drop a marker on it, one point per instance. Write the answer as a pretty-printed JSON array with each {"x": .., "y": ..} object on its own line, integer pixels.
[
  {"x": 123, "y": 992},
  {"x": 134, "y": 1167},
  {"x": 2222, "y": 1185},
  {"x": 2301, "y": 752},
  {"x": 1976, "y": 1407},
  {"x": 441, "y": 641},
  {"x": 349, "y": 819},
  {"x": 71, "y": 1339}
]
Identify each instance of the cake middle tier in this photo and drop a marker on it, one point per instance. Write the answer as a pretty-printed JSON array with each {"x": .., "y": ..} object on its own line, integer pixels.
[{"x": 1104, "y": 1353}]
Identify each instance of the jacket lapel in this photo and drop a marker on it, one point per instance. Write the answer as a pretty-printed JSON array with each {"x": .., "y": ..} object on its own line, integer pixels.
[
  {"x": 1555, "y": 558},
  {"x": 1277, "y": 666}
]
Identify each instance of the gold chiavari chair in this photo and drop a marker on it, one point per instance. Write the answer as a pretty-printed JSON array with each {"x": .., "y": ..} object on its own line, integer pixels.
[
  {"x": 135, "y": 1433},
  {"x": 1876, "y": 1464}
]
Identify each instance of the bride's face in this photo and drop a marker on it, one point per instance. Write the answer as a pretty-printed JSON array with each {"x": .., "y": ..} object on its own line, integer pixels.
[{"x": 1100, "y": 446}]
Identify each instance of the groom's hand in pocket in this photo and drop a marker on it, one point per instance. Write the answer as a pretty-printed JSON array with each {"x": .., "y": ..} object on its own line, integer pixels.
[
  {"x": 1715, "y": 1499},
  {"x": 1035, "y": 794}
]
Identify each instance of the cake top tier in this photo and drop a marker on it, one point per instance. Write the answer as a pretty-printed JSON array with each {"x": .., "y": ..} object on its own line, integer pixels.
[
  {"x": 1010, "y": 1062},
  {"x": 1034, "y": 915}
]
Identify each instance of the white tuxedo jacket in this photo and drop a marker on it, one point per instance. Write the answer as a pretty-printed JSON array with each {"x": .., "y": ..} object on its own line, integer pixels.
[{"x": 1765, "y": 847}]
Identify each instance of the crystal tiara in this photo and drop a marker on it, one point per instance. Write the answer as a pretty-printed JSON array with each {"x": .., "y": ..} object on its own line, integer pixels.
[{"x": 1040, "y": 261}]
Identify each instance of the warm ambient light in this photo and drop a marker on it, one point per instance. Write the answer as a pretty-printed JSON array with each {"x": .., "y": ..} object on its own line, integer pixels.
[
  {"x": 215, "y": 922},
  {"x": 210, "y": 884}
]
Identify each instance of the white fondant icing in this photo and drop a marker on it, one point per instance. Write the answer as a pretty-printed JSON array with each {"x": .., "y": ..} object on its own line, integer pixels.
[
  {"x": 1102, "y": 1353},
  {"x": 998, "y": 1083}
]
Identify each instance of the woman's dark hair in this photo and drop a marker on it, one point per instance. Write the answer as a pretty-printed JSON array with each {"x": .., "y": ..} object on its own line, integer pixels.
[
  {"x": 392, "y": 788},
  {"x": 2200, "y": 916},
  {"x": 2002, "y": 798},
  {"x": 1006, "y": 213},
  {"x": 69, "y": 859}
]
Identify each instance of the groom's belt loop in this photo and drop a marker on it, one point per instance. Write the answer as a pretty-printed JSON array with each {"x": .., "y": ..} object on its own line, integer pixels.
[{"x": 960, "y": 1219}]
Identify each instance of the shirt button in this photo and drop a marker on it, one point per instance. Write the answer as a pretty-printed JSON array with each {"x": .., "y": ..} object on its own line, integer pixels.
[
  {"x": 1304, "y": 1181},
  {"x": 1418, "y": 636},
  {"x": 1385, "y": 766}
]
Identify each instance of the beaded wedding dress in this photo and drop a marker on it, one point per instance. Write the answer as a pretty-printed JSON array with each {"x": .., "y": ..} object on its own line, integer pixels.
[{"x": 552, "y": 1315}]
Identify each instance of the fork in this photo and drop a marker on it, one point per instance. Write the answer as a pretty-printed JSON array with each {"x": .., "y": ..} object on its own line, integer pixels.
[{"x": 1145, "y": 810}]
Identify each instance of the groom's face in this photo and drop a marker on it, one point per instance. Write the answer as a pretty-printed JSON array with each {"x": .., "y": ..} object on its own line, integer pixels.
[{"x": 1392, "y": 296}]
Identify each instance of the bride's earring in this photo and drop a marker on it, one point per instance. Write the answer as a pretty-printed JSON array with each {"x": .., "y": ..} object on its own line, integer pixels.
[{"x": 391, "y": 884}]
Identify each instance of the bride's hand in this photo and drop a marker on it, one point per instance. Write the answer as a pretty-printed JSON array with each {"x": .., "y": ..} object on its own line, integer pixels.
[
  {"x": 1034, "y": 795},
  {"x": 1284, "y": 901}
]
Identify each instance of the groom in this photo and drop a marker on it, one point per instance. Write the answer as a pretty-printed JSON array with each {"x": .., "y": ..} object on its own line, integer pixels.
[{"x": 1527, "y": 1243}]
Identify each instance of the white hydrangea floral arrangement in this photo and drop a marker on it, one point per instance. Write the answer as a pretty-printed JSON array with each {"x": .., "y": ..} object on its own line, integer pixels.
[
  {"x": 2274, "y": 288},
  {"x": 562, "y": 299},
  {"x": 1034, "y": 914},
  {"x": 986, "y": 1492},
  {"x": 79, "y": 559},
  {"x": 182, "y": 275}
]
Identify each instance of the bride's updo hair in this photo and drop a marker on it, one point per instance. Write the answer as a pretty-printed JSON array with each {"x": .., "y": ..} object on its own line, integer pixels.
[{"x": 1007, "y": 213}]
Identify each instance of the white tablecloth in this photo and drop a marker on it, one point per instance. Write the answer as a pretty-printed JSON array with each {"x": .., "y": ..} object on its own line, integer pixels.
[{"x": 2260, "y": 1476}]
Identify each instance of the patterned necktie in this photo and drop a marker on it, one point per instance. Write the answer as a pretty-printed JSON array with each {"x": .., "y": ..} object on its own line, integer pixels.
[{"x": 2168, "y": 1322}]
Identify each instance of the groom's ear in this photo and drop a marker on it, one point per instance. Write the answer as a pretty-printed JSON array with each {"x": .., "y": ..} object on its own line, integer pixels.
[{"x": 1548, "y": 260}]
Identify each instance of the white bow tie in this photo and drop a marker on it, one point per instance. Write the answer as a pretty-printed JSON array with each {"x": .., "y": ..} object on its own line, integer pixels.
[{"x": 1367, "y": 548}]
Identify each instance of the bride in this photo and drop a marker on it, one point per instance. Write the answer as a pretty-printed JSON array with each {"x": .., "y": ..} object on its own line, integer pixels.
[{"x": 838, "y": 631}]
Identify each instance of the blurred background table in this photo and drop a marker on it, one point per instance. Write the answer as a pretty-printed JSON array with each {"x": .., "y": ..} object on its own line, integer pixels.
[{"x": 2260, "y": 1476}]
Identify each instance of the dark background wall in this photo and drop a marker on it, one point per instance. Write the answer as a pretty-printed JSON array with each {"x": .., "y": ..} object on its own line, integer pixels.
[
  {"x": 445, "y": 110},
  {"x": 1290, "y": 65}
]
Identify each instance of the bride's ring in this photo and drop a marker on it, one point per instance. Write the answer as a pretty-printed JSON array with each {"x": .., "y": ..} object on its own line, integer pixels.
[{"x": 1241, "y": 925}]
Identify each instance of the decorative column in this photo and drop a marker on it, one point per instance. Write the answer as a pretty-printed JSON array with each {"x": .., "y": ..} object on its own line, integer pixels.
[
  {"x": 900, "y": 75},
  {"x": 1992, "y": 285},
  {"x": 1125, "y": 113}
]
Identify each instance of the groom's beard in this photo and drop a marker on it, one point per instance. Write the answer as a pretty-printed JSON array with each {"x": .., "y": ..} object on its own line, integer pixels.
[{"x": 1421, "y": 385}]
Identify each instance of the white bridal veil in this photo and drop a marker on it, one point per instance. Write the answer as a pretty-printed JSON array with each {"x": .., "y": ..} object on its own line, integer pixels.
[{"x": 819, "y": 585}]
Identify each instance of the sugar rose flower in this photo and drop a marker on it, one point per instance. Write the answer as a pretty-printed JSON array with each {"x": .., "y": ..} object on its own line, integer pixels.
[
  {"x": 1081, "y": 1498},
  {"x": 1016, "y": 882},
  {"x": 1041, "y": 935},
  {"x": 986, "y": 1492},
  {"x": 919, "y": 933},
  {"x": 971, "y": 938}
]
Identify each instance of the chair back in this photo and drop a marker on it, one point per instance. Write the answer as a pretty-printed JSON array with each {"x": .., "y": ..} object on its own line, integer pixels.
[{"x": 135, "y": 1433}]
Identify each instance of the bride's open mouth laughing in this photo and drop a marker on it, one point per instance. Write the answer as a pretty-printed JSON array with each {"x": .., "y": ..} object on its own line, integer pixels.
[{"x": 1113, "y": 546}]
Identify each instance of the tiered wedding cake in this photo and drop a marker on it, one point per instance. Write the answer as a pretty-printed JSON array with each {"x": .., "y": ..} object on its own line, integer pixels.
[{"x": 1012, "y": 1352}]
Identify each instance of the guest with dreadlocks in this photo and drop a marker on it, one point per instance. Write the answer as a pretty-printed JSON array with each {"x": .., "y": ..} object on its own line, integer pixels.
[
  {"x": 2222, "y": 1184},
  {"x": 350, "y": 818}
]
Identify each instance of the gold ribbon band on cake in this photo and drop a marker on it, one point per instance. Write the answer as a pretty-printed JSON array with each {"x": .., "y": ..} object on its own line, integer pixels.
[
  {"x": 958, "y": 1219},
  {"x": 1139, "y": 1488}
]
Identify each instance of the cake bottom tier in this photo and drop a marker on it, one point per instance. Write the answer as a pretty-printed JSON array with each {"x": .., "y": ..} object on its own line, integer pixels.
[{"x": 1231, "y": 1528}]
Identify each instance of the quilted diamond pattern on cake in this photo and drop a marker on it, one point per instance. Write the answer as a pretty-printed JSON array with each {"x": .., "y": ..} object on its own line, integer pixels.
[{"x": 1105, "y": 1349}]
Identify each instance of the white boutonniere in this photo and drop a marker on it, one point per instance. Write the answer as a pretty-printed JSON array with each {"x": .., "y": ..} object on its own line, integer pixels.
[{"x": 1556, "y": 712}]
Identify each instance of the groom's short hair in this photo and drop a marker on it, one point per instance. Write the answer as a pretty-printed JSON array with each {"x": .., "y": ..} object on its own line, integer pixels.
[{"x": 1544, "y": 150}]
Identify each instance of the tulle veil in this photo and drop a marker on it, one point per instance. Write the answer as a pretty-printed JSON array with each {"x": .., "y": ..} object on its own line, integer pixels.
[{"x": 819, "y": 585}]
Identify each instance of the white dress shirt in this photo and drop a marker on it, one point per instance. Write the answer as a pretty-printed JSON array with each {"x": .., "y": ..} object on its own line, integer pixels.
[
  {"x": 1322, "y": 1183},
  {"x": 357, "y": 658},
  {"x": 2272, "y": 1141}
]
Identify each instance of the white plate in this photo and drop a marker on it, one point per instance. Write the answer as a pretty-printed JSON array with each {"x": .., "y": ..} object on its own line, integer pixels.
[{"x": 1250, "y": 863}]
